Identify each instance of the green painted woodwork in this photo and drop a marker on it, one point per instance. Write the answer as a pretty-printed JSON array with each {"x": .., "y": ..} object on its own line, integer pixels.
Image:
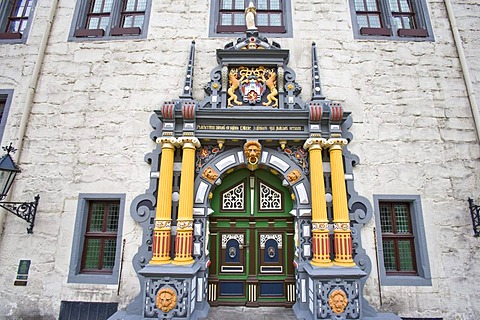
[{"x": 251, "y": 222}]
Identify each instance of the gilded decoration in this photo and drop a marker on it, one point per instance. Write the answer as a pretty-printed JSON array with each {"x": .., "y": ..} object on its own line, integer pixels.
[
  {"x": 338, "y": 301},
  {"x": 293, "y": 176},
  {"x": 320, "y": 226},
  {"x": 184, "y": 224},
  {"x": 166, "y": 299},
  {"x": 342, "y": 226},
  {"x": 252, "y": 150},
  {"x": 161, "y": 224},
  {"x": 252, "y": 84},
  {"x": 210, "y": 174}
]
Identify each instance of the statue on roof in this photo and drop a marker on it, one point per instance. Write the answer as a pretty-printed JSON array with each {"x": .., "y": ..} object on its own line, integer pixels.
[{"x": 250, "y": 13}]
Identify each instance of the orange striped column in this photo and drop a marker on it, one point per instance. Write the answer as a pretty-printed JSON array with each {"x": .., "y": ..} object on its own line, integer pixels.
[
  {"x": 184, "y": 239},
  {"x": 163, "y": 215},
  {"x": 341, "y": 220},
  {"x": 320, "y": 240}
]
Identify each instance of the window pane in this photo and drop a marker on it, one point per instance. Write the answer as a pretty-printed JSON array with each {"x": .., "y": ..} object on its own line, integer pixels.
[
  {"x": 227, "y": 4},
  {"x": 239, "y": 5},
  {"x": 374, "y": 21},
  {"x": 96, "y": 218},
  {"x": 142, "y": 5},
  {"x": 108, "y": 6},
  {"x": 92, "y": 253},
  {"x": 226, "y": 19},
  {"x": 276, "y": 19},
  {"x": 405, "y": 252},
  {"x": 104, "y": 22},
  {"x": 372, "y": 5},
  {"x": 262, "y": 19},
  {"x": 394, "y": 5},
  {"x": 389, "y": 255},
  {"x": 130, "y": 5},
  {"x": 93, "y": 23},
  {"x": 397, "y": 21},
  {"x": 109, "y": 254},
  {"x": 362, "y": 21},
  {"x": 128, "y": 22},
  {"x": 262, "y": 5},
  {"x": 359, "y": 5},
  {"x": 239, "y": 19},
  {"x": 401, "y": 215},
  {"x": 97, "y": 6},
  {"x": 138, "y": 21},
  {"x": 408, "y": 23},
  {"x": 386, "y": 219},
  {"x": 112, "y": 219},
  {"x": 405, "y": 6},
  {"x": 275, "y": 5}
]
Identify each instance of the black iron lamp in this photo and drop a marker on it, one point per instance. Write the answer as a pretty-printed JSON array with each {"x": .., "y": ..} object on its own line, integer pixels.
[
  {"x": 475, "y": 213},
  {"x": 8, "y": 171}
]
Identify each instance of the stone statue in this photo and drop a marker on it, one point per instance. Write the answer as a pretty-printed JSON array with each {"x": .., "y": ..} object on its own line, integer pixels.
[{"x": 250, "y": 13}]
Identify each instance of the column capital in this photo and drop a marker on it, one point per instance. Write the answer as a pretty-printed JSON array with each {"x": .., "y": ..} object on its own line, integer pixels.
[
  {"x": 314, "y": 143},
  {"x": 336, "y": 143},
  {"x": 167, "y": 141},
  {"x": 187, "y": 141}
]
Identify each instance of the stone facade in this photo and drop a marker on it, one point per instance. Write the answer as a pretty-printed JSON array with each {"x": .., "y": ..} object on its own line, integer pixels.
[{"x": 88, "y": 131}]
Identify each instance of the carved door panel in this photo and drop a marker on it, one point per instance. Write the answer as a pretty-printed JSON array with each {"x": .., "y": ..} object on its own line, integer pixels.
[{"x": 251, "y": 242}]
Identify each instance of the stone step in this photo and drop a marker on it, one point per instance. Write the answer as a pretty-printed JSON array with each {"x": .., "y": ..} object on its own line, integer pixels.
[{"x": 244, "y": 313}]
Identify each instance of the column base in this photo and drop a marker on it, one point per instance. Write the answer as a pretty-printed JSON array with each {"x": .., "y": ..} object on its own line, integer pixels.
[
  {"x": 160, "y": 261},
  {"x": 347, "y": 264},
  {"x": 182, "y": 262},
  {"x": 323, "y": 264}
]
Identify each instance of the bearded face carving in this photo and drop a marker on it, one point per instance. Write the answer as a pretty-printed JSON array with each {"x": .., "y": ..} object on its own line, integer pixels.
[
  {"x": 338, "y": 301},
  {"x": 252, "y": 150},
  {"x": 166, "y": 299}
]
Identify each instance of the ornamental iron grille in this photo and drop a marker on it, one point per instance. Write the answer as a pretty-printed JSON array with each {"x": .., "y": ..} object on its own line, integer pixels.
[
  {"x": 270, "y": 199},
  {"x": 234, "y": 199},
  {"x": 475, "y": 213}
]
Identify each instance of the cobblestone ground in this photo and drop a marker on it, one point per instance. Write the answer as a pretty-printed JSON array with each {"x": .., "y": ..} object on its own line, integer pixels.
[{"x": 243, "y": 313}]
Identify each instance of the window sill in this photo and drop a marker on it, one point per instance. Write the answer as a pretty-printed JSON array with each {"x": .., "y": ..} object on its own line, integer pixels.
[
  {"x": 375, "y": 31},
  {"x": 87, "y": 33},
  {"x": 10, "y": 35},
  {"x": 412, "y": 33},
  {"x": 405, "y": 281},
  {"x": 135, "y": 31}
]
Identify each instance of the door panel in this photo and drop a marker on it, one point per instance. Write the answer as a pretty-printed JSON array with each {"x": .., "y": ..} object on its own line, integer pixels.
[{"x": 251, "y": 240}]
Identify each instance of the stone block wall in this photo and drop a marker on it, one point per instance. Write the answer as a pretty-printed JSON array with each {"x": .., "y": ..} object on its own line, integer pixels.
[{"x": 89, "y": 129}]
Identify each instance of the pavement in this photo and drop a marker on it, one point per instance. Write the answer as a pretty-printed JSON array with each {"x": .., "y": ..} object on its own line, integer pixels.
[{"x": 244, "y": 313}]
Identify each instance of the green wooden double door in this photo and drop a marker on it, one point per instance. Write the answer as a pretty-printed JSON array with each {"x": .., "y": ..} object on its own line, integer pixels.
[{"x": 251, "y": 242}]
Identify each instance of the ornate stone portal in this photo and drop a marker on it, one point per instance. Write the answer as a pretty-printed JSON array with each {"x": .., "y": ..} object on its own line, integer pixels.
[{"x": 252, "y": 117}]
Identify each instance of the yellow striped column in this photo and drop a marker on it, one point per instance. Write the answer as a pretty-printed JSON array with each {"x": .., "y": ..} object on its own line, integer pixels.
[
  {"x": 341, "y": 220},
  {"x": 184, "y": 239},
  {"x": 320, "y": 241},
  {"x": 163, "y": 215}
]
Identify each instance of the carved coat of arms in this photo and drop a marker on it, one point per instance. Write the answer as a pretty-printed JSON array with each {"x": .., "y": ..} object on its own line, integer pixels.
[{"x": 252, "y": 84}]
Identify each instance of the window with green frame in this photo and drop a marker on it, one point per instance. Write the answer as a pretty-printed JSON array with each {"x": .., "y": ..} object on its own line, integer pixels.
[
  {"x": 100, "y": 242},
  {"x": 397, "y": 238},
  {"x": 97, "y": 238},
  {"x": 402, "y": 249}
]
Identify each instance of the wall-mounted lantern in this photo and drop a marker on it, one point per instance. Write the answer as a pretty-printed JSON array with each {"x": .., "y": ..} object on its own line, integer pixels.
[
  {"x": 475, "y": 212},
  {"x": 8, "y": 171}
]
